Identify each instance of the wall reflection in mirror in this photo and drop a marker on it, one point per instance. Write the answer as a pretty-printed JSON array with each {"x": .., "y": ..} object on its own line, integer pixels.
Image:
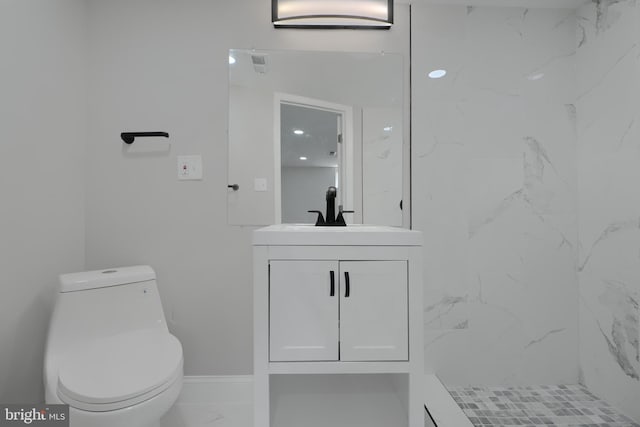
[{"x": 300, "y": 122}]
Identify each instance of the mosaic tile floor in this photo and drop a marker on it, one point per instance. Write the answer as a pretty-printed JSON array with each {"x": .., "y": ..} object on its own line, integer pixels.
[{"x": 570, "y": 405}]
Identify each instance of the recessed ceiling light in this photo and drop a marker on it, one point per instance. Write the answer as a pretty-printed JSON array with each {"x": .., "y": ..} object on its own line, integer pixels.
[
  {"x": 232, "y": 60},
  {"x": 388, "y": 128},
  {"x": 303, "y": 158},
  {"x": 298, "y": 132},
  {"x": 436, "y": 74}
]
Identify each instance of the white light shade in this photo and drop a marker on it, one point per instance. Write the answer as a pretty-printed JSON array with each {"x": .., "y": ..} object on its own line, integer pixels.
[{"x": 332, "y": 13}]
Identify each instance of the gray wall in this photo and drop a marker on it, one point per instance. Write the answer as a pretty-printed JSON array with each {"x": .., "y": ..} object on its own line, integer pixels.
[
  {"x": 303, "y": 189},
  {"x": 43, "y": 122},
  {"x": 162, "y": 65}
]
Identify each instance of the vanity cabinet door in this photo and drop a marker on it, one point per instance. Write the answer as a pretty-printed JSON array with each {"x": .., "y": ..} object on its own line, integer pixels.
[
  {"x": 303, "y": 311},
  {"x": 374, "y": 311}
]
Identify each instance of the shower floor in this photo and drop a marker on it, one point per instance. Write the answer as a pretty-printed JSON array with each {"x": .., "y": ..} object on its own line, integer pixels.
[{"x": 564, "y": 405}]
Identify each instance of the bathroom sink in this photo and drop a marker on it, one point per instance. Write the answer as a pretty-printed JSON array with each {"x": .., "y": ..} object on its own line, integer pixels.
[{"x": 352, "y": 235}]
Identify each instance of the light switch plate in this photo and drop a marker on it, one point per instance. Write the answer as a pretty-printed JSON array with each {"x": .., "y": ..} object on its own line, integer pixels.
[{"x": 190, "y": 168}]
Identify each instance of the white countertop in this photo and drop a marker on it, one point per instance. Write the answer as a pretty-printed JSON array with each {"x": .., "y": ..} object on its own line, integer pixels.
[{"x": 351, "y": 235}]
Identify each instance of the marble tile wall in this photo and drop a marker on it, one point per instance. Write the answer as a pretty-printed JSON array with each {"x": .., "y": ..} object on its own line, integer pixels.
[
  {"x": 495, "y": 192},
  {"x": 608, "y": 119}
]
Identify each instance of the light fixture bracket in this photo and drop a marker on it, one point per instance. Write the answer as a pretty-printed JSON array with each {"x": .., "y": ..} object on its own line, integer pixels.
[{"x": 332, "y": 14}]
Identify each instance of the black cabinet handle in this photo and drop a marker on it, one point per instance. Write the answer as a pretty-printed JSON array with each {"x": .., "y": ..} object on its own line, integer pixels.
[
  {"x": 333, "y": 283},
  {"x": 347, "y": 285}
]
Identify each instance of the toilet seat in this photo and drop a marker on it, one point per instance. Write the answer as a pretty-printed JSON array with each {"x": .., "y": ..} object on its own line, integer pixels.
[{"x": 111, "y": 373}]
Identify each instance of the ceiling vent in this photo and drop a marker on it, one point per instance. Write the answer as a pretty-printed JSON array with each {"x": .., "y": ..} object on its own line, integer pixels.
[{"x": 259, "y": 63}]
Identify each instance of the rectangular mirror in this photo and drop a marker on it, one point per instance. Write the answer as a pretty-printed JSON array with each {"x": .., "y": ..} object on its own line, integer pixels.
[{"x": 300, "y": 122}]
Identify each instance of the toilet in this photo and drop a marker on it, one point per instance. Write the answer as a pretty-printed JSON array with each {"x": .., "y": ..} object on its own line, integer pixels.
[{"x": 109, "y": 353}]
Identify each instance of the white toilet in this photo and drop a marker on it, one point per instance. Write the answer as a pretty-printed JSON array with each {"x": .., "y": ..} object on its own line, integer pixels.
[{"x": 109, "y": 353}]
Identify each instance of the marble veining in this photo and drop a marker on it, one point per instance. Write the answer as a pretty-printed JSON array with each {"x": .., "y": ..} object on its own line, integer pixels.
[
  {"x": 625, "y": 331},
  {"x": 462, "y": 325},
  {"x": 629, "y": 53},
  {"x": 611, "y": 230},
  {"x": 534, "y": 162},
  {"x": 572, "y": 115},
  {"x": 435, "y": 312},
  {"x": 538, "y": 340},
  {"x": 582, "y": 31},
  {"x": 506, "y": 204},
  {"x": 608, "y": 113},
  {"x": 494, "y": 192},
  {"x": 624, "y": 136},
  {"x": 516, "y": 22},
  {"x": 606, "y": 16}
]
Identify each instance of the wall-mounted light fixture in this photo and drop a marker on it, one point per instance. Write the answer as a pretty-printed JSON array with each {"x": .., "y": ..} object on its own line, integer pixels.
[{"x": 370, "y": 14}]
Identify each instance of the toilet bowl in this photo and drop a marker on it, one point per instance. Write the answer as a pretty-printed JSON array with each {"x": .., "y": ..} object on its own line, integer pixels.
[{"x": 109, "y": 353}]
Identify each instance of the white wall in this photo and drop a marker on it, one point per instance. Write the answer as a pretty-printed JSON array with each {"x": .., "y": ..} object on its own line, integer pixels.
[
  {"x": 494, "y": 179},
  {"x": 43, "y": 125},
  {"x": 382, "y": 167},
  {"x": 349, "y": 79},
  {"x": 608, "y": 111},
  {"x": 494, "y": 190},
  {"x": 304, "y": 189},
  {"x": 251, "y": 156},
  {"x": 162, "y": 65}
]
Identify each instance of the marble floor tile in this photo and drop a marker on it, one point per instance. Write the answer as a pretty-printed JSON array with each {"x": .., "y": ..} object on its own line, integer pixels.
[{"x": 563, "y": 405}]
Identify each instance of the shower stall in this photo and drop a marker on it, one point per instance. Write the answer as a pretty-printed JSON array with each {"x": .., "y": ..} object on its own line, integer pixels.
[{"x": 525, "y": 160}]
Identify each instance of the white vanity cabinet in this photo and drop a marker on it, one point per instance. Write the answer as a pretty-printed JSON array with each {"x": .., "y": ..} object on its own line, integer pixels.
[
  {"x": 339, "y": 300},
  {"x": 338, "y": 311},
  {"x": 303, "y": 311}
]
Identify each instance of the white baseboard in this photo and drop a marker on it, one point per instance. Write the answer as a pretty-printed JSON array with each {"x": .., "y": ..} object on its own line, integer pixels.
[{"x": 191, "y": 379}]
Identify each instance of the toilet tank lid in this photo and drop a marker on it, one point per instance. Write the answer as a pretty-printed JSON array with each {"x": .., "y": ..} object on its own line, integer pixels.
[{"x": 103, "y": 278}]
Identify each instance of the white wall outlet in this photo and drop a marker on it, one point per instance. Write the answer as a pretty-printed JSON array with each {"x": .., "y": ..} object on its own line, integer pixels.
[
  {"x": 260, "y": 184},
  {"x": 190, "y": 168}
]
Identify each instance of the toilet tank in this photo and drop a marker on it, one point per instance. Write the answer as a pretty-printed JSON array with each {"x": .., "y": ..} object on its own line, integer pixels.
[{"x": 100, "y": 303}]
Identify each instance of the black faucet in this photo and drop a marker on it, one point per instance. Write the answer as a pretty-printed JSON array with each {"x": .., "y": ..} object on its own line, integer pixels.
[{"x": 331, "y": 219}]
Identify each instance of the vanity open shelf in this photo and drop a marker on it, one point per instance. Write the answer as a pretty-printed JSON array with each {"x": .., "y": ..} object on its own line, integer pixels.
[{"x": 334, "y": 305}]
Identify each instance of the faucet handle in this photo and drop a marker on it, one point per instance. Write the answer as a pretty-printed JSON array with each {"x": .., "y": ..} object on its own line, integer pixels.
[
  {"x": 340, "y": 219},
  {"x": 320, "y": 220}
]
